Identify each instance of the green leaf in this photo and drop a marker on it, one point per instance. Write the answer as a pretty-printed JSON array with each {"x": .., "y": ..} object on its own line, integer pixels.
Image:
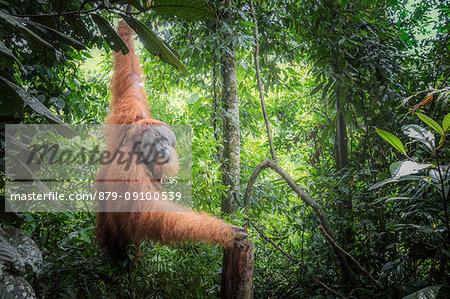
[
  {"x": 34, "y": 103},
  {"x": 406, "y": 167},
  {"x": 5, "y": 52},
  {"x": 394, "y": 141},
  {"x": 29, "y": 218},
  {"x": 431, "y": 123},
  {"x": 446, "y": 123},
  {"x": 110, "y": 35},
  {"x": 77, "y": 25},
  {"x": 420, "y": 134},
  {"x": 84, "y": 2},
  {"x": 248, "y": 23},
  {"x": 188, "y": 10},
  {"x": 388, "y": 266},
  {"x": 85, "y": 237},
  {"x": 398, "y": 179},
  {"x": 61, "y": 36},
  {"x": 425, "y": 293},
  {"x": 155, "y": 45},
  {"x": 193, "y": 98},
  {"x": 316, "y": 89},
  {"x": 436, "y": 177},
  {"x": 16, "y": 22},
  {"x": 326, "y": 88},
  {"x": 69, "y": 215}
]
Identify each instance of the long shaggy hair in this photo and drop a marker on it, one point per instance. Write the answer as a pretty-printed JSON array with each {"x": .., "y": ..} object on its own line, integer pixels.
[{"x": 167, "y": 222}]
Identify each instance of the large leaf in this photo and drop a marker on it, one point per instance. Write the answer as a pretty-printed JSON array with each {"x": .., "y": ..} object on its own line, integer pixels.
[
  {"x": 425, "y": 103},
  {"x": 394, "y": 141},
  {"x": 57, "y": 34},
  {"x": 431, "y": 123},
  {"x": 4, "y": 51},
  {"x": 34, "y": 103},
  {"x": 110, "y": 35},
  {"x": 420, "y": 134},
  {"x": 399, "y": 179},
  {"x": 446, "y": 123},
  {"x": 326, "y": 88},
  {"x": 155, "y": 45},
  {"x": 16, "y": 22},
  {"x": 76, "y": 24},
  {"x": 406, "y": 167},
  {"x": 435, "y": 177},
  {"x": 425, "y": 293},
  {"x": 188, "y": 10}
]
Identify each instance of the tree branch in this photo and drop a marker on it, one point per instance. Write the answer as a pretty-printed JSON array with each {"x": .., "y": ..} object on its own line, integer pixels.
[
  {"x": 358, "y": 265},
  {"x": 308, "y": 201},
  {"x": 293, "y": 259},
  {"x": 263, "y": 235}
]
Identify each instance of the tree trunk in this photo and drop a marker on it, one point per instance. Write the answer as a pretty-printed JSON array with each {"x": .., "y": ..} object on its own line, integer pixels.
[
  {"x": 237, "y": 272},
  {"x": 342, "y": 161},
  {"x": 231, "y": 130},
  {"x": 237, "y": 269}
]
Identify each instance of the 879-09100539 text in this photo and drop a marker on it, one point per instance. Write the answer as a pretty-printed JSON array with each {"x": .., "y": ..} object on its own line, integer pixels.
[{"x": 56, "y": 196}]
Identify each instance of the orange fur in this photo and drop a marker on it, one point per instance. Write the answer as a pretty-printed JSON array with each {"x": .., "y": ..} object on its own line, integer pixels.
[{"x": 168, "y": 222}]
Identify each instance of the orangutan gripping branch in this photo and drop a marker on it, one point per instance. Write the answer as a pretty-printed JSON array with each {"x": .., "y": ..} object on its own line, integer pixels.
[{"x": 166, "y": 221}]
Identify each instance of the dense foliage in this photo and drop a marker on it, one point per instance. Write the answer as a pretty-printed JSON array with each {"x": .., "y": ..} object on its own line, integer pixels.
[{"x": 382, "y": 65}]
